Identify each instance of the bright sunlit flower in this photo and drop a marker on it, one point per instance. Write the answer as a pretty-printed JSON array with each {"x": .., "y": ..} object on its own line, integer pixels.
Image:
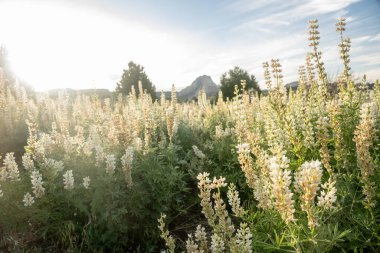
[
  {"x": 328, "y": 195},
  {"x": 307, "y": 181},
  {"x": 54, "y": 165},
  {"x": 27, "y": 162},
  {"x": 11, "y": 167},
  {"x": 217, "y": 244},
  {"x": 243, "y": 239},
  {"x": 281, "y": 181},
  {"x": 243, "y": 148},
  {"x": 37, "y": 184},
  {"x": 234, "y": 201}
]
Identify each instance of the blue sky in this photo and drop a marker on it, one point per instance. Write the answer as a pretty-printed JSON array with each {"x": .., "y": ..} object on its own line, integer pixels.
[{"x": 87, "y": 44}]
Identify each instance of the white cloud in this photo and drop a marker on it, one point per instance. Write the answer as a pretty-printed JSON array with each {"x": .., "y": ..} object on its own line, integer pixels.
[
  {"x": 288, "y": 12},
  {"x": 349, "y": 19},
  {"x": 319, "y": 7},
  {"x": 249, "y": 5},
  {"x": 360, "y": 39},
  {"x": 372, "y": 74},
  {"x": 375, "y": 37},
  {"x": 367, "y": 59}
]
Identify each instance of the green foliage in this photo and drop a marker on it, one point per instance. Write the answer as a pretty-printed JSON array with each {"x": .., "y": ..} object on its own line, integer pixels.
[
  {"x": 234, "y": 77},
  {"x": 107, "y": 217},
  {"x": 131, "y": 78}
]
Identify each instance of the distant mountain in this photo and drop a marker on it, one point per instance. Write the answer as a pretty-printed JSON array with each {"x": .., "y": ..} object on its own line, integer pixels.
[
  {"x": 332, "y": 87},
  {"x": 203, "y": 82},
  {"x": 292, "y": 85},
  {"x": 168, "y": 94},
  {"x": 191, "y": 92}
]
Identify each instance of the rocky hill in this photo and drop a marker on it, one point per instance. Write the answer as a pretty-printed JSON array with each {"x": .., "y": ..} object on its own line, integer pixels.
[
  {"x": 192, "y": 91},
  {"x": 333, "y": 87}
]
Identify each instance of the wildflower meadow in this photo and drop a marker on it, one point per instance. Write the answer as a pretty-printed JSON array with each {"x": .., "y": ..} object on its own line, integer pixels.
[{"x": 287, "y": 171}]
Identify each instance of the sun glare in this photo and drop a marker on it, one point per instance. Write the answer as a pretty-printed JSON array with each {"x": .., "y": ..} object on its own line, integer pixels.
[{"x": 53, "y": 45}]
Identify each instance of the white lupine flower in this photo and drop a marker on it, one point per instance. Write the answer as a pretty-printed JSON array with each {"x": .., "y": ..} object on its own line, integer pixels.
[
  {"x": 36, "y": 180},
  {"x": 88, "y": 146},
  {"x": 218, "y": 132},
  {"x": 368, "y": 109},
  {"x": 262, "y": 192},
  {"x": 308, "y": 132},
  {"x": 316, "y": 164},
  {"x": 138, "y": 143},
  {"x": 234, "y": 200},
  {"x": 11, "y": 167},
  {"x": 281, "y": 181},
  {"x": 243, "y": 148},
  {"x": 284, "y": 162},
  {"x": 198, "y": 153},
  {"x": 217, "y": 244},
  {"x": 328, "y": 195},
  {"x": 127, "y": 161},
  {"x": 39, "y": 150},
  {"x": 28, "y": 199},
  {"x": 274, "y": 168},
  {"x": 46, "y": 144},
  {"x": 54, "y": 164},
  {"x": 110, "y": 164},
  {"x": 228, "y": 131},
  {"x": 86, "y": 182},
  {"x": 58, "y": 165},
  {"x": 307, "y": 181},
  {"x": 191, "y": 246},
  {"x": 243, "y": 239},
  {"x": 175, "y": 126},
  {"x": 27, "y": 162},
  {"x": 200, "y": 234},
  {"x": 363, "y": 138},
  {"x": 203, "y": 179},
  {"x": 205, "y": 192},
  {"x": 217, "y": 183},
  {"x": 127, "y": 158},
  {"x": 68, "y": 180}
]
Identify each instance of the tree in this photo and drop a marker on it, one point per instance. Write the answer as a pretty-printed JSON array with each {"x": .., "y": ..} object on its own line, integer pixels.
[
  {"x": 234, "y": 77},
  {"x": 131, "y": 77}
]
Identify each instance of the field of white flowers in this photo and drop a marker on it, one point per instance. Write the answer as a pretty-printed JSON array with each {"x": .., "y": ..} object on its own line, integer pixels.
[{"x": 286, "y": 172}]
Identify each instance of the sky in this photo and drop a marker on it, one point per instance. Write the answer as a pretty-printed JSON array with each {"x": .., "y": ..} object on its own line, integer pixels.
[{"x": 87, "y": 44}]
